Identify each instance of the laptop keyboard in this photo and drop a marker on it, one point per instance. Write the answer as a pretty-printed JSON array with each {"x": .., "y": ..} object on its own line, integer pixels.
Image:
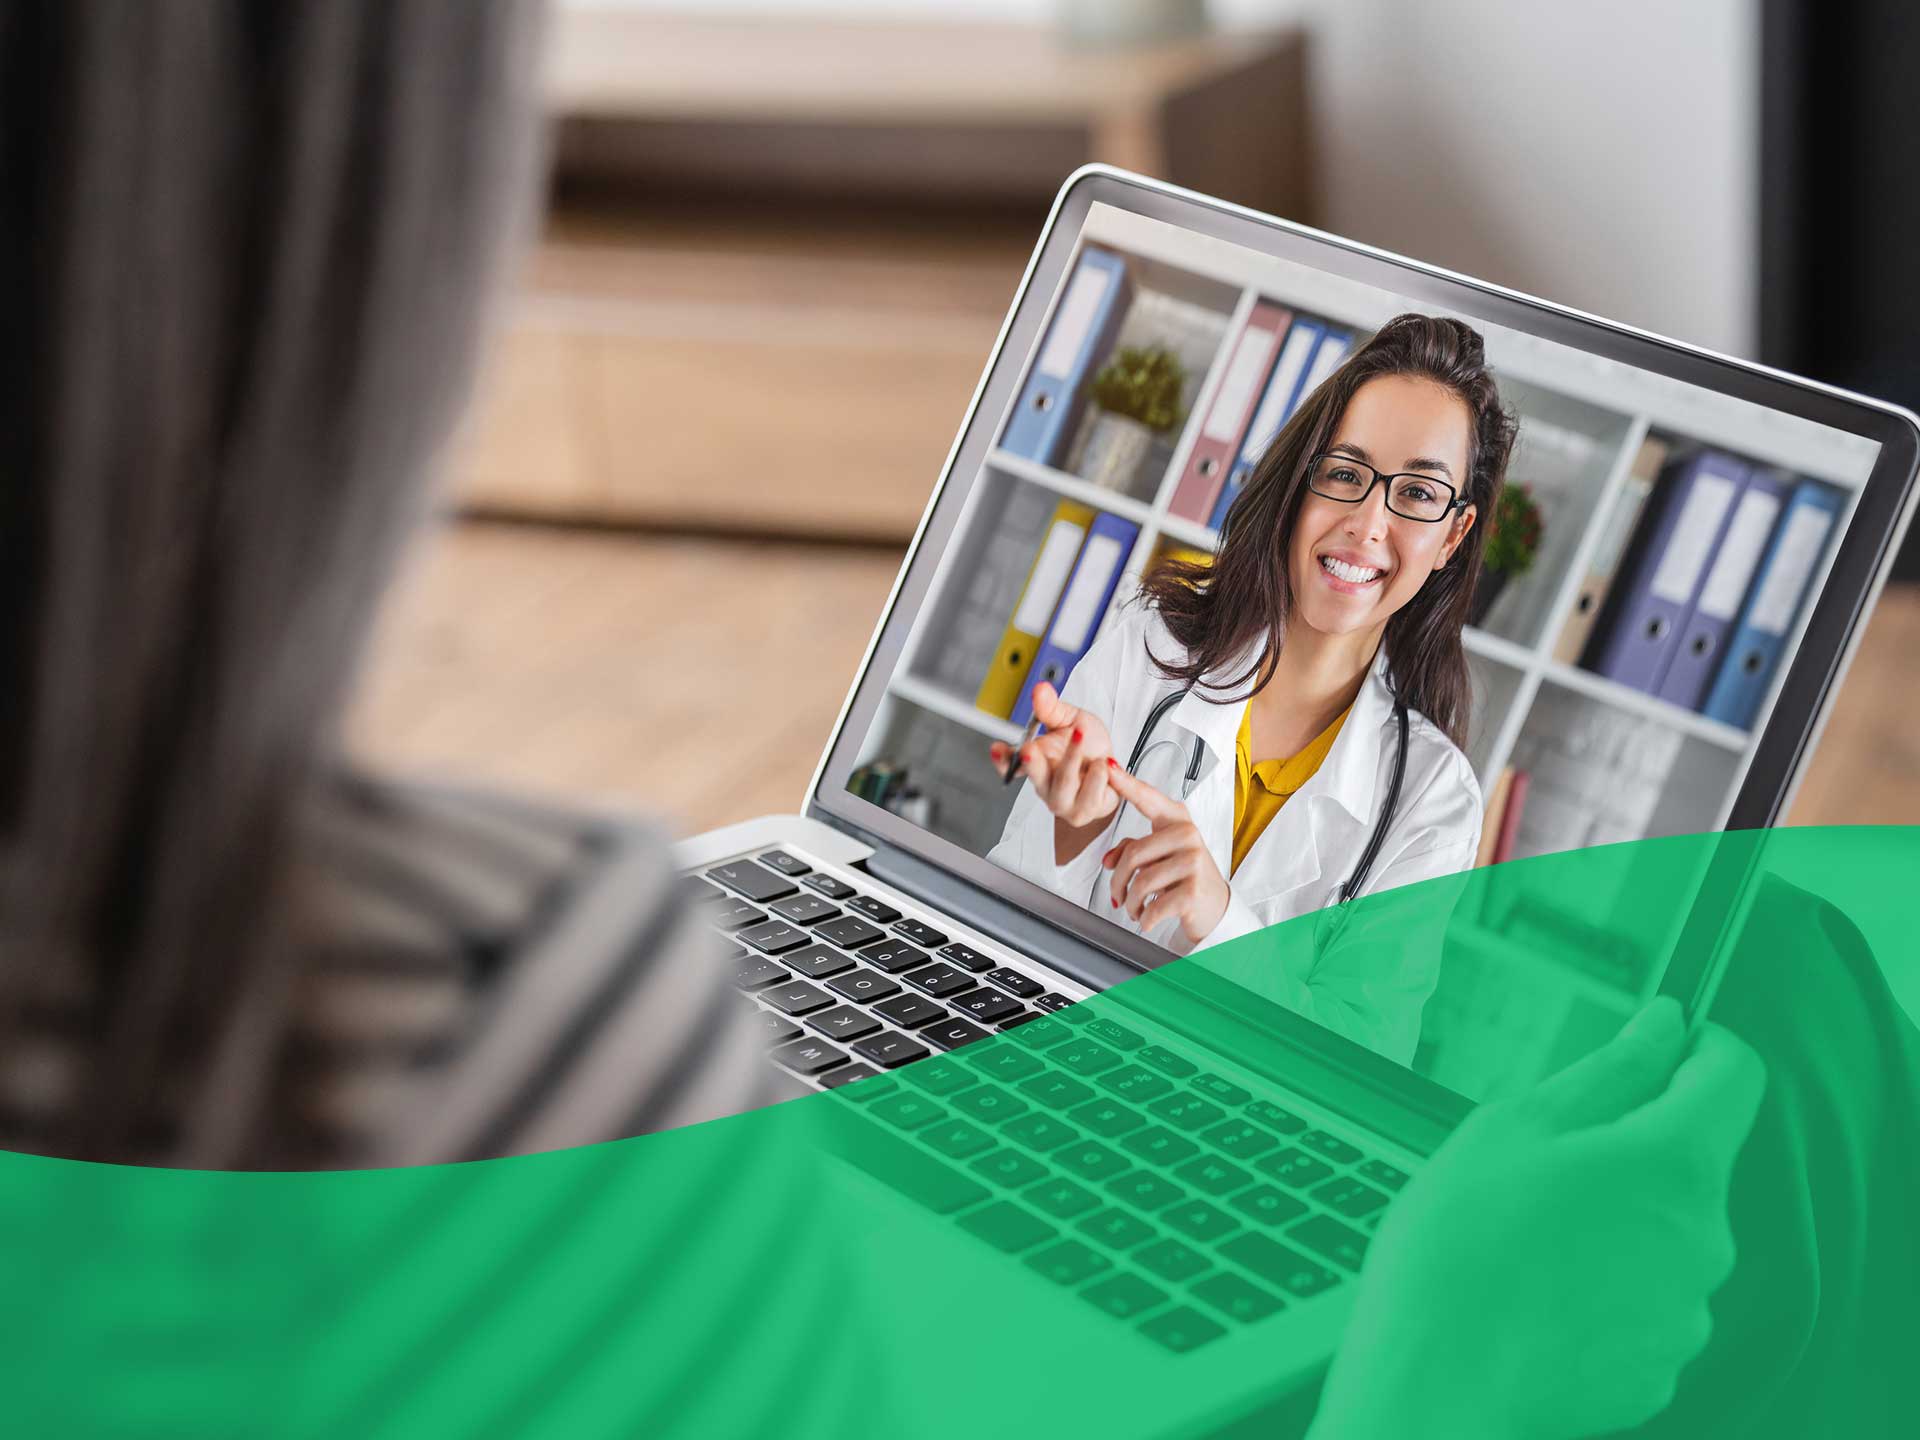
[{"x": 1165, "y": 1195}]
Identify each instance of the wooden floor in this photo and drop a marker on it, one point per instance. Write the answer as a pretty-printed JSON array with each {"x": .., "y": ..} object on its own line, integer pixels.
[{"x": 698, "y": 678}]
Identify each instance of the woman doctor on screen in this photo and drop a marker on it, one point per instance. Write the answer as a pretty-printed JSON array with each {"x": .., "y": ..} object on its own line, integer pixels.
[{"x": 1342, "y": 585}]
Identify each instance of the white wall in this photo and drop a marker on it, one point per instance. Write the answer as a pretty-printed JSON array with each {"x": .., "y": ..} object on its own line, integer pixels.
[{"x": 1604, "y": 156}]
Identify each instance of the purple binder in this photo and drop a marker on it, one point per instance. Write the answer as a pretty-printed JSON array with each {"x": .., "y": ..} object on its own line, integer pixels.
[
  {"x": 1689, "y": 516},
  {"x": 1704, "y": 638}
]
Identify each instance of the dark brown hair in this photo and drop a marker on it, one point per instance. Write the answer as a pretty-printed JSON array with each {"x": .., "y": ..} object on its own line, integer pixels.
[
  {"x": 1217, "y": 609},
  {"x": 244, "y": 250}
]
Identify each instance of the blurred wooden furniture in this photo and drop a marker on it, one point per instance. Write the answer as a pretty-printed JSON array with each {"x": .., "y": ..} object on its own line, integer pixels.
[{"x": 780, "y": 251}]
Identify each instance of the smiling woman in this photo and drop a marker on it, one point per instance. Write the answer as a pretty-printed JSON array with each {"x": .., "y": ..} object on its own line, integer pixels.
[{"x": 1278, "y": 728}]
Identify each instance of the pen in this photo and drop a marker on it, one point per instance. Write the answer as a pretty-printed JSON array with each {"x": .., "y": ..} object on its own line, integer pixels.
[{"x": 1013, "y": 760}]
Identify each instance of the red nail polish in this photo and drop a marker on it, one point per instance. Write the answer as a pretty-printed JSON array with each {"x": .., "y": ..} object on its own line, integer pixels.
[
  {"x": 1076, "y": 737},
  {"x": 1113, "y": 763}
]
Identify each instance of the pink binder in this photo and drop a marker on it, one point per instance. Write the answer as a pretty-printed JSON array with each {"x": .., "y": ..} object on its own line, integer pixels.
[{"x": 1248, "y": 366}]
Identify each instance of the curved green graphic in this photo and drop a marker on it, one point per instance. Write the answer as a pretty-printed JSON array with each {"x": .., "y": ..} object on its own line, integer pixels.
[{"x": 1152, "y": 1215}]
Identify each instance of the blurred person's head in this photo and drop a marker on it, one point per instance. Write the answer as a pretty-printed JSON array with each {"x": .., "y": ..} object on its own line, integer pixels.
[{"x": 245, "y": 247}]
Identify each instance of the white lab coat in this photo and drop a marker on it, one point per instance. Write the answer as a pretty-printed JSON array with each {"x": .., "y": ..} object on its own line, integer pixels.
[{"x": 1372, "y": 983}]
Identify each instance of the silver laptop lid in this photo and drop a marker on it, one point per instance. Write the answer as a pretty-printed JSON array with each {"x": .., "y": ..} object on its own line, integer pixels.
[{"x": 1044, "y": 505}]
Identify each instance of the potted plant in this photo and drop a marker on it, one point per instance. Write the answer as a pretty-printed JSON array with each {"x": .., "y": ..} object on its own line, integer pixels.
[
  {"x": 1513, "y": 540},
  {"x": 1136, "y": 402}
]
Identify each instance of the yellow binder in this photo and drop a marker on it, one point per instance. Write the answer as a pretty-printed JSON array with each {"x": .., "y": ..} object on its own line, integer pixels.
[
  {"x": 1033, "y": 611},
  {"x": 1184, "y": 552}
]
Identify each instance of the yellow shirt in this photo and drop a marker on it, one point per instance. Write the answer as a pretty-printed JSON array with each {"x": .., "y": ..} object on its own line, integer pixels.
[{"x": 1260, "y": 790}]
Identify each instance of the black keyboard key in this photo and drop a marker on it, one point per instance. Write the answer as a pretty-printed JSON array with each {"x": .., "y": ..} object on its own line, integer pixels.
[
  {"x": 1060, "y": 1198},
  {"x": 919, "y": 933},
  {"x": 1106, "y": 1118},
  {"x": 751, "y": 881},
  {"x": 1056, "y": 1090},
  {"x": 1160, "y": 1146},
  {"x": 796, "y": 997},
  {"x": 937, "y": 980},
  {"x": 1198, "y": 1220},
  {"x": 816, "y": 962},
  {"x": 772, "y": 937},
  {"x": 1115, "y": 1034},
  {"x": 940, "y": 1077},
  {"x": 736, "y": 914},
  {"x": 775, "y": 1029},
  {"x": 893, "y": 1160},
  {"x": 1145, "y": 1190},
  {"x": 849, "y": 932},
  {"x": 1211, "y": 1175},
  {"x": 907, "y": 1111},
  {"x": 890, "y": 1048},
  {"x": 1331, "y": 1146},
  {"x": 1084, "y": 1057},
  {"x": 1182, "y": 1328},
  {"x": 1171, "y": 1260},
  {"x": 1043, "y": 1033},
  {"x": 789, "y": 865},
  {"x": 1024, "y": 987},
  {"x": 831, "y": 886},
  {"x": 1041, "y": 1133},
  {"x": 1068, "y": 1262},
  {"x": 893, "y": 956},
  {"x": 1350, "y": 1197},
  {"x": 1238, "y": 1299},
  {"x": 956, "y": 1139},
  {"x": 1166, "y": 1062},
  {"x": 693, "y": 888},
  {"x": 876, "y": 910},
  {"x": 846, "y": 1075},
  {"x": 1090, "y": 1161},
  {"x": 1239, "y": 1139},
  {"x": 966, "y": 957},
  {"x": 756, "y": 972},
  {"x": 1275, "y": 1118},
  {"x": 804, "y": 909},
  {"x": 1010, "y": 1169},
  {"x": 1279, "y": 1265},
  {"x": 952, "y": 1034},
  {"x": 864, "y": 985},
  {"x": 809, "y": 1057},
  {"x": 1117, "y": 1229},
  {"x": 986, "y": 1006},
  {"x": 1294, "y": 1168},
  {"x": 1022, "y": 1018},
  {"x": 1005, "y": 1062},
  {"x": 1186, "y": 1112},
  {"x": 1005, "y": 1226},
  {"x": 992, "y": 1103},
  {"x": 910, "y": 1012},
  {"x": 843, "y": 1022},
  {"x": 1268, "y": 1205},
  {"x": 1326, "y": 1236},
  {"x": 1124, "y": 1296},
  {"x": 1225, "y": 1091},
  {"x": 1052, "y": 1003},
  {"x": 1131, "y": 1082},
  {"x": 1384, "y": 1174}
]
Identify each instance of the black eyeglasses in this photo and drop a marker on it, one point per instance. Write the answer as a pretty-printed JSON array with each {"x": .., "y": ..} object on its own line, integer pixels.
[{"x": 1410, "y": 495}]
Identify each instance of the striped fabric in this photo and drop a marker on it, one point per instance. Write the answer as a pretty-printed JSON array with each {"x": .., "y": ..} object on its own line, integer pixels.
[{"x": 492, "y": 977}]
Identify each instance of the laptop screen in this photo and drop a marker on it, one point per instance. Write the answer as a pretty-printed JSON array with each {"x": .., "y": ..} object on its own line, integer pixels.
[{"x": 1646, "y": 574}]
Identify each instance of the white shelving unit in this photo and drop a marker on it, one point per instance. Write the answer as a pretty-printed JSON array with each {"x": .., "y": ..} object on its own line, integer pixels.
[{"x": 1606, "y": 407}]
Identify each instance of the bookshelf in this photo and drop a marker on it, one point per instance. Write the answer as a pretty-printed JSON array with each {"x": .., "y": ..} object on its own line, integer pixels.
[{"x": 1659, "y": 768}]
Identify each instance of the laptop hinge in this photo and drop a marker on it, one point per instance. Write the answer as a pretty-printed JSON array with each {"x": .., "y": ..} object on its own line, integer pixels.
[{"x": 1012, "y": 927}]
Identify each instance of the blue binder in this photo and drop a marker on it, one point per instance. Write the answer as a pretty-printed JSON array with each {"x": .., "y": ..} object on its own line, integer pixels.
[
  {"x": 1080, "y": 333},
  {"x": 1681, "y": 532},
  {"x": 1095, "y": 575},
  {"x": 1284, "y": 391},
  {"x": 1773, "y": 603},
  {"x": 1703, "y": 639}
]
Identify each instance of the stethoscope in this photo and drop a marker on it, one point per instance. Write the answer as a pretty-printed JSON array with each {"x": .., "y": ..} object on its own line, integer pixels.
[{"x": 1334, "y": 912}]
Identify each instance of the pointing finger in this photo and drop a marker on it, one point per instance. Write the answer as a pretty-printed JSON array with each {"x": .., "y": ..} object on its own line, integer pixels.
[
  {"x": 1158, "y": 808},
  {"x": 1054, "y": 712}
]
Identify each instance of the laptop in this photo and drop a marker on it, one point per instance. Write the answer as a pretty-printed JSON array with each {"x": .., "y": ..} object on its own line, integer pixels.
[{"x": 1191, "y": 1159}]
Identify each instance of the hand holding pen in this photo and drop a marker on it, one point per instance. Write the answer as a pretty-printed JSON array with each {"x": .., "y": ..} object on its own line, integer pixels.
[{"x": 1067, "y": 766}]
